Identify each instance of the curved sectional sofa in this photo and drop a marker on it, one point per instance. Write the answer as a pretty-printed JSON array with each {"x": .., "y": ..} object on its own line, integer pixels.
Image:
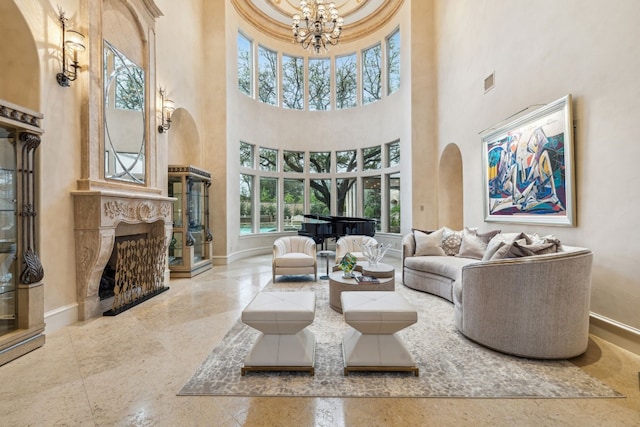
[{"x": 508, "y": 299}]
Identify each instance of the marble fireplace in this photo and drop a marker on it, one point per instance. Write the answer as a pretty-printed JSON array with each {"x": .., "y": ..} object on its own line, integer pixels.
[{"x": 100, "y": 217}]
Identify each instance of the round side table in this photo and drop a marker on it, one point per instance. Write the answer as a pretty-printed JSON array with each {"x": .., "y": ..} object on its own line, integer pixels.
[{"x": 339, "y": 284}]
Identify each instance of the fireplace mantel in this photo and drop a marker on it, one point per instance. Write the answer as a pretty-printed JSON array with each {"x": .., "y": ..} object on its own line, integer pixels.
[{"x": 100, "y": 216}]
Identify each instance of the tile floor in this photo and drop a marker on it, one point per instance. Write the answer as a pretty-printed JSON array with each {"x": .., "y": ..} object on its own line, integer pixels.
[{"x": 126, "y": 371}]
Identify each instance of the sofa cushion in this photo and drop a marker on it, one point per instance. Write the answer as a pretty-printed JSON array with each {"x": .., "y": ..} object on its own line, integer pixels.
[
  {"x": 428, "y": 244},
  {"x": 474, "y": 244},
  {"x": 451, "y": 240},
  {"x": 499, "y": 242},
  {"x": 447, "y": 266}
]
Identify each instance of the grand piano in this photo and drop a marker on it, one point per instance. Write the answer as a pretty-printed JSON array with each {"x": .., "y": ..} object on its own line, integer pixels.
[{"x": 322, "y": 227}]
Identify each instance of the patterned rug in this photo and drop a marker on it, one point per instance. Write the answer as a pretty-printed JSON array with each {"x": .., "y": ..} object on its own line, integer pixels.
[{"x": 450, "y": 365}]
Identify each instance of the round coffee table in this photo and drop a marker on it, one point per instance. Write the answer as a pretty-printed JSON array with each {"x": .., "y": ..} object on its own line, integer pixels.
[{"x": 339, "y": 284}]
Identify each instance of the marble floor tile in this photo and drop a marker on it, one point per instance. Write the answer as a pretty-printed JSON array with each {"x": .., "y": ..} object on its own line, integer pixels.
[{"x": 126, "y": 371}]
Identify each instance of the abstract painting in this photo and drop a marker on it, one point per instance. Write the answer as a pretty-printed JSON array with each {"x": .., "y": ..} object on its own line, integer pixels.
[{"x": 528, "y": 167}]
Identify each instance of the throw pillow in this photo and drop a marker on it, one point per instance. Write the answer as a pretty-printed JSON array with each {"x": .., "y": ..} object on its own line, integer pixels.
[
  {"x": 474, "y": 244},
  {"x": 451, "y": 240},
  {"x": 428, "y": 243},
  {"x": 521, "y": 249},
  {"x": 499, "y": 245}
]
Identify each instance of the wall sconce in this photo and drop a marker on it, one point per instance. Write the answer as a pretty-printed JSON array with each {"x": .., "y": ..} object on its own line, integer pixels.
[
  {"x": 166, "y": 109},
  {"x": 72, "y": 42}
]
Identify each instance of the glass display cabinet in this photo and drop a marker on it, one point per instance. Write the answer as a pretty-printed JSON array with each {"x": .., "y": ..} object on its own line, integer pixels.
[
  {"x": 191, "y": 244},
  {"x": 21, "y": 273}
]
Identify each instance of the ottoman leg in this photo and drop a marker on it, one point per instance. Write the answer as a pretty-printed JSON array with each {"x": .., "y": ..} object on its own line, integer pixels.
[
  {"x": 294, "y": 352},
  {"x": 370, "y": 352}
]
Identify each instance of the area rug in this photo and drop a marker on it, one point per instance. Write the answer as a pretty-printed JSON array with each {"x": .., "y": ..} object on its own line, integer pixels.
[{"x": 450, "y": 365}]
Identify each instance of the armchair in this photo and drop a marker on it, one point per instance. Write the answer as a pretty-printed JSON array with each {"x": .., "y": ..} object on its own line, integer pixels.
[
  {"x": 352, "y": 243},
  {"x": 294, "y": 255}
]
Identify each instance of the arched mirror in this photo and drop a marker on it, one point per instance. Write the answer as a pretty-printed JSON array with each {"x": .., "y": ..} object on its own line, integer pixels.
[{"x": 124, "y": 117}]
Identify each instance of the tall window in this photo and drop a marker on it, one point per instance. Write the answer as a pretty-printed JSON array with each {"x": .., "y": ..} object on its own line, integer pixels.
[
  {"x": 245, "y": 65},
  {"x": 371, "y": 74},
  {"x": 246, "y": 155},
  {"x": 267, "y": 76},
  {"x": 393, "y": 154},
  {"x": 346, "y": 81},
  {"x": 365, "y": 182},
  {"x": 347, "y": 196},
  {"x": 320, "y": 162},
  {"x": 268, "y": 159},
  {"x": 319, "y": 84},
  {"x": 292, "y": 82},
  {"x": 268, "y": 205},
  {"x": 320, "y": 197},
  {"x": 371, "y": 158},
  {"x": 393, "y": 198},
  {"x": 346, "y": 161},
  {"x": 293, "y": 203},
  {"x": 372, "y": 199},
  {"x": 246, "y": 203},
  {"x": 393, "y": 62},
  {"x": 293, "y": 161}
]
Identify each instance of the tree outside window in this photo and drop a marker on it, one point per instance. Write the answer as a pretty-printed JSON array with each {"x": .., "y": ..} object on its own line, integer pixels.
[
  {"x": 371, "y": 158},
  {"x": 346, "y": 161},
  {"x": 371, "y": 74},
  {"x": 320, "y": 197},
  {"x": 346, "y": 205},
  {"x": 246, "y": 204},
  {"x": 372, "y": 200},
  {"x": 268, "y": 159},
  {"x": 393, "y": 154},
  {"x": 267, "y": 76},
  {"x": 293, "y": 161},
  {"x": 292, "y": 82},
  {"x": 245, "y": 65},
  {"x": 319, "y": 84},
  {"x": 246, "y": 155},
  {"x": 320, "y": 162},
  {"x": 346, "y": 81},
  {"x": 393, "y": 186},
  {"x": 293, "y": 203},
  {"x": 268, "y": 205},
  {"x": 393, "y": 62}
]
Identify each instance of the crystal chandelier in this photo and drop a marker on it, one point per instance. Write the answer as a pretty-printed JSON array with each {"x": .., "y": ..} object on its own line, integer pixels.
[{"x": 321, "y": 26}]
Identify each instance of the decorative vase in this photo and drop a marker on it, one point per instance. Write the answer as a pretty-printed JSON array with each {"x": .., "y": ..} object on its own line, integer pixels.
[
  {"x": 347, "y": 264},
  {"x": 374, "y": 252}
]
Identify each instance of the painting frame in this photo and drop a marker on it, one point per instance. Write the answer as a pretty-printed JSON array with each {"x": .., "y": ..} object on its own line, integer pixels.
[{"x": 528, "y": 168}]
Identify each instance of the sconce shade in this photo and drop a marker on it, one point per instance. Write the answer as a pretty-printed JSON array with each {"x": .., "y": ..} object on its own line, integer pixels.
[
  {"x": 169, "y": 106},
  {"x": 75, "y": 40}
]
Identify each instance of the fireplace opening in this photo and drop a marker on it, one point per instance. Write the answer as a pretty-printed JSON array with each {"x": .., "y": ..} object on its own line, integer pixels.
[
  {"x": 108, "y": 279},
  {"x": 134, "y": 271}
]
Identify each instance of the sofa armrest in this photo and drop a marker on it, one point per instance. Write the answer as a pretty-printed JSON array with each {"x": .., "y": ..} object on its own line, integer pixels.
[
  {"x": 408, "y": 246},
  {"x": 533, "y": 307}
]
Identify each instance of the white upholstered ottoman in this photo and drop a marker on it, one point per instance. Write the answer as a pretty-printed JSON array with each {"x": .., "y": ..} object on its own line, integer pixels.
[
  {"x": 372, "y": 343},
  {"x": 284, "y": 343}
]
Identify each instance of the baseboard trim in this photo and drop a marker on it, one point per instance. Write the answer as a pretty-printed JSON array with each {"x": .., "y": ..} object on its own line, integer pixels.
[
  {"x": 615, "y": 332},
  {"x": 60, "y": 317}
]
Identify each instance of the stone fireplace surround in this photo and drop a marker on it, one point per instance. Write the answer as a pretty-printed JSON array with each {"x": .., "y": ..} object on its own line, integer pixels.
[{"x": 100, "y": 216}]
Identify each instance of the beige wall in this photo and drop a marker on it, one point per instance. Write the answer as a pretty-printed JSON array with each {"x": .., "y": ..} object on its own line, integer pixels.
[{"x": 541, "y": 51}]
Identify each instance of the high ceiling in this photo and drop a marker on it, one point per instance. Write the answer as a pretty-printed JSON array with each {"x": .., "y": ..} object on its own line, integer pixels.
[{"x": 361, "y": 17}]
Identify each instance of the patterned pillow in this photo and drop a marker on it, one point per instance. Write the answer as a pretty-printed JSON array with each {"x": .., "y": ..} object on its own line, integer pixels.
[{"x": 451, "y": 240}]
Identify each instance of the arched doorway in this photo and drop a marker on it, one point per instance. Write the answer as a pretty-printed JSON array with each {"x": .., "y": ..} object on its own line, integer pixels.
[
  {"x": 20, "y": 71},
  {"x": 450, "y": 194}
]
